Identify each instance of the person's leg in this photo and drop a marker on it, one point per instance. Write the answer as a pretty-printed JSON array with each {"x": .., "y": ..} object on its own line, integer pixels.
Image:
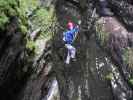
[
  {"x": 68, "y": 57},
  {"x": 68, "y": 54},
  {"x": 73, "y": 51}
]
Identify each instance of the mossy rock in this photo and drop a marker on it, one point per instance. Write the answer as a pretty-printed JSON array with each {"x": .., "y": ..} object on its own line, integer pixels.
[
  {"x": 30, "y": 45},
  {"x": 7, "y": 9},
  {"x": 101, "y": 35},
  {"x": 131, "y": 81},
  {"x": 44, "y": 19},
  {"x": 109, "y": 76},
  {"x": 3, "y": 20},
  {"x": 128, "y": 56}
]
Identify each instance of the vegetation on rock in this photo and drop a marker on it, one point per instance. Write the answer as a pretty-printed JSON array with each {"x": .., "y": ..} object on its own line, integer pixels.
[
  {"x": 26, "y": 7},
  {"x": 44, "y": 18},
  {"x": 101, "y": 35},
  {"x": 131, "y": 81},
  {"x": 109, "y": 76},
  {"x": 41, "y": 17},
  {"x": 8, "y": 9},
  {"x": 128, "y": 57}
]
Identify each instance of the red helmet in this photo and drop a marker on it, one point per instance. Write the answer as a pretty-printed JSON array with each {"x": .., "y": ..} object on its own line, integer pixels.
[{"x": 70, "y": 25}]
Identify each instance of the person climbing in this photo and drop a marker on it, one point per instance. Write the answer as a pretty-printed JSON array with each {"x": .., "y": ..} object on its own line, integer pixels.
[
  {"x": 69, "y": 37},
  {"x": 104, "y": 10}
]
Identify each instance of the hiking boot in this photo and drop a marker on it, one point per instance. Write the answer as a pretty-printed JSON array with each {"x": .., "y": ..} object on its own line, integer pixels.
[{"x": 106, "y": 12}]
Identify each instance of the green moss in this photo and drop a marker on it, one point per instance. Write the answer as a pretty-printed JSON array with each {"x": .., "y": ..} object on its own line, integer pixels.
[
  {"x": 30, "y": 45},
  {"x": 7, "y": 9},
  {"x": 44, "y": 18},
  {"x": 23, "y": 29},
  {"x": 101, "y": 35},
  {"x": 109, "y": 76},
  {"x": 24, "y": 7},
  {"x": 28, "y": 5},
  {"x": 128, "y": 56},
  {"x": 10, "y": 8},
  {"x": 3, "y": 20},
  {"x": 131, "y": 81}
]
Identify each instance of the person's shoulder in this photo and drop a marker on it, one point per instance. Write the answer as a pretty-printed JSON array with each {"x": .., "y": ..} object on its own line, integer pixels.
[{"x": 67, "y": 32}]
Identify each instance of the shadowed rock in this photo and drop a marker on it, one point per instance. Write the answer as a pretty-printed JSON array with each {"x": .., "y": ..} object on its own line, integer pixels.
[{"x": 124, "y": 10}]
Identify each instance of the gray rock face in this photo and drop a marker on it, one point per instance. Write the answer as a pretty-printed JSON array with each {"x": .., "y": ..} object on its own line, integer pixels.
[
  {"x": 117, "y": 39},
  {"x": 84, "y": 79},
  {"x": 80, "y": 80},
  {"x": 11, "y": 59},
  {"x": 124, "y": 9},
  {"x": 114, "y": 38}
]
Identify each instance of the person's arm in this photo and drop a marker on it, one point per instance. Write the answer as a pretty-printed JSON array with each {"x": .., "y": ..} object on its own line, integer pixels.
[
  {"x": 64, "y": 33},
  {"x": 76, "y": 32}
]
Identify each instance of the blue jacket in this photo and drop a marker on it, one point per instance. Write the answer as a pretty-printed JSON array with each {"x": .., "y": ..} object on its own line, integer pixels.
[{"x": 69, "y": 35}]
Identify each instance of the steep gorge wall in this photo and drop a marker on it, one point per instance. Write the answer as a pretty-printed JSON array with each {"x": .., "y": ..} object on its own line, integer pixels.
[
  {"x": 19, "y": 58},
  {"x": 115, "y": 36},
  {"x": 11, "y": 59},
  {"x": 124, "y": 10},
  {"x": 12, "y": 49},
  {"x": 116, "y": 42},
  {"x": 83, "y": 79},
  {"x": 80, "y": 80}
]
